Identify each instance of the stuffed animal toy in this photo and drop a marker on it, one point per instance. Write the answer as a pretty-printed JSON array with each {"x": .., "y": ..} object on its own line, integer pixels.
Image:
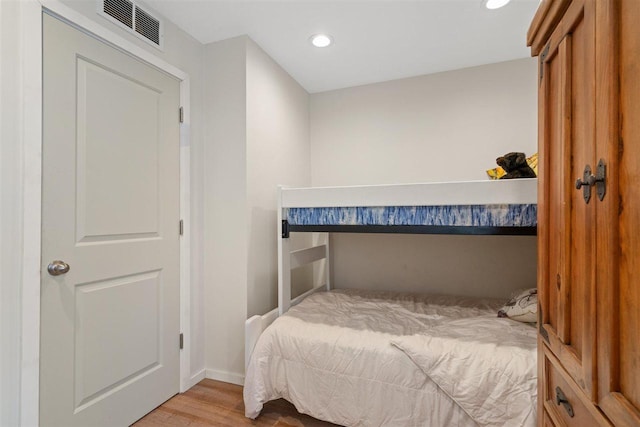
[{"x": 516, "y": 166}]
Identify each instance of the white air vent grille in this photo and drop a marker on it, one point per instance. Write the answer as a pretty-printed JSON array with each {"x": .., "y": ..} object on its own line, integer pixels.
[
  {"x": 147, "y": 26},
  {"x": 135, "y": 18},
  {"x": 122, "y": 10}
]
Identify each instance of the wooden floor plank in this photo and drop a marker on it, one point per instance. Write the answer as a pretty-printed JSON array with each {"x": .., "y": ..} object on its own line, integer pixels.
[{"x": 215, "y": 403}]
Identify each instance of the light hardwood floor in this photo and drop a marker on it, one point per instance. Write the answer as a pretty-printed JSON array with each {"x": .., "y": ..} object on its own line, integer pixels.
[{"x": 214, "y": 403}]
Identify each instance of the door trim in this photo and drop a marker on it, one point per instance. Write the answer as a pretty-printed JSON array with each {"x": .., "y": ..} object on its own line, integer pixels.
[{"x": 31, "y": 128}]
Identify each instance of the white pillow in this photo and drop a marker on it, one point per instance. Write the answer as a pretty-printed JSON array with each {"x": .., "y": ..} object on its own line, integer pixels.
[{"x": 523, "y": 307}]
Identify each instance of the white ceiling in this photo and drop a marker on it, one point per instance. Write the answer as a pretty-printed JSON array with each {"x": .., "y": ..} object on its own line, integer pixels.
[{"x": 375, "y": 40}]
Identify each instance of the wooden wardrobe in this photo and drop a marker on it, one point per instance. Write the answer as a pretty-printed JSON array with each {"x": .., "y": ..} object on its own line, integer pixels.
[{"x": 588, "y": 211}]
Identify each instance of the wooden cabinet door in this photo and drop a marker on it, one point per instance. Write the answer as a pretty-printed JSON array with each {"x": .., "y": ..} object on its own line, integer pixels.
[
  {"x": 618, "y": 281},
  {"x": 566, "y": 256}
]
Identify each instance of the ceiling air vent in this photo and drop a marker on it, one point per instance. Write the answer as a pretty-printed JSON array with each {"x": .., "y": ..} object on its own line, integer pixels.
[{"x": 135, "y": 18}]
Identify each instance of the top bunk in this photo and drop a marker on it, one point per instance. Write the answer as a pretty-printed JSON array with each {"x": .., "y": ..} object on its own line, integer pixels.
[{"x": 497, "y": 207}]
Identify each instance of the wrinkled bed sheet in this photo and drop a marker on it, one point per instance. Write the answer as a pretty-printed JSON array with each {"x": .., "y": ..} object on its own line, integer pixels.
[
  {"x": 486, "y": 365},
  {"x": 332, "y": 357}
]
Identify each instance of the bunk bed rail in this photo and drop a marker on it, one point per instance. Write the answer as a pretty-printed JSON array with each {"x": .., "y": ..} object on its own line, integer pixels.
[
  {"x": 289, "y": 260},
  {"x": 507, "y": 207}
]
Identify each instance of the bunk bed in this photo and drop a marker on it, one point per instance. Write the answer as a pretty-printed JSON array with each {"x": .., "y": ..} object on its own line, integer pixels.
[{"x": 376, "y": 358}]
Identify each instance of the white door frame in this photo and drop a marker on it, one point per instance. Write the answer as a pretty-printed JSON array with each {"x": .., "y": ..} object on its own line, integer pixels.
[{"x": 31, "y": 43}]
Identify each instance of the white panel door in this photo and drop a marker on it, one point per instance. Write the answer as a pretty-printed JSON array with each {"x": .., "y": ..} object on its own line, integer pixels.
[{"x": 110, "y": 210}]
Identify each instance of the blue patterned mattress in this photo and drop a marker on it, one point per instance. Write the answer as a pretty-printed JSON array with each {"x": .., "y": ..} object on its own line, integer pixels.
[{"x": 507, "y": 215}]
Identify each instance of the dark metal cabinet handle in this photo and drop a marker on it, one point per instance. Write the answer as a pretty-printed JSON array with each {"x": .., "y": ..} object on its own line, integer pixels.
[
  {"x": 585, "y": 182},
  {"x": 597, "y": 181},
  {"x": 561, "y": 399},
  {"x": 590, "y": 180}
]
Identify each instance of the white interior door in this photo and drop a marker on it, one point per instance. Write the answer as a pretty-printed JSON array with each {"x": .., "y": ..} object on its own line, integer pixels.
[{"x": 110, "y": 325}]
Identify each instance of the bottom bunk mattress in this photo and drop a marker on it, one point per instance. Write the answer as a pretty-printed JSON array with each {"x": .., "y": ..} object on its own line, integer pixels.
[{"x": 358, "y": 358}]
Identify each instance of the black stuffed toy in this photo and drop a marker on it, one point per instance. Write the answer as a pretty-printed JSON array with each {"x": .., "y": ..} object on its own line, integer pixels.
[{"x": 516, "y": 166}]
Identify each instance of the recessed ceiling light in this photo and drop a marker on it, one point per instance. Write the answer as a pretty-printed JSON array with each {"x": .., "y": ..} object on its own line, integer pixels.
[
  {"x": 495, "y": 4},
  {"x": 321, "y": 40}
]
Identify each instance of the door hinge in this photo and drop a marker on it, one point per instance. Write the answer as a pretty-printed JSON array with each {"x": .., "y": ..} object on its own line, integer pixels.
[
  {"x": 181, "y": 227},
  {"x": 181, "y": 341},
  {"x": 181, "y": 114}
]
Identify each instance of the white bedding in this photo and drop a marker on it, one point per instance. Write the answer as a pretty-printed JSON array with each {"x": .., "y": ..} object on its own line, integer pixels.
[
  {"x": 332, "y": 357},
  {"x": 486, "y": 365}
]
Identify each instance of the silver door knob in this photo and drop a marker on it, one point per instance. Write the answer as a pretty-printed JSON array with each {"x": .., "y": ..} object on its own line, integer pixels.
[{"x": 56, "y": 268}]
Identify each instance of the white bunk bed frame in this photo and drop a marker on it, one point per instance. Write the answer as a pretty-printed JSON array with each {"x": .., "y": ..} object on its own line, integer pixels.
[{"x": 519, "y": 191}]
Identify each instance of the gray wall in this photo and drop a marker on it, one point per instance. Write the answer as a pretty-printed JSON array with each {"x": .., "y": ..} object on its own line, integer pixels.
[
  {"x": 278, "y": 154},
  {"x": 484, "y": 266},
  {"x": 448, "y": 126},
  {"x": 225, "y": 208},
  {"x": 257, "y": 137},
  {"x": 10, "y": 214}
]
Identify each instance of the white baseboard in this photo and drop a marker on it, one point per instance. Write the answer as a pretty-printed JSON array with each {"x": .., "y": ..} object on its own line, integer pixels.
[
  {"x": 195, "y": 379},
  {"x": 227, "y": 377}
]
